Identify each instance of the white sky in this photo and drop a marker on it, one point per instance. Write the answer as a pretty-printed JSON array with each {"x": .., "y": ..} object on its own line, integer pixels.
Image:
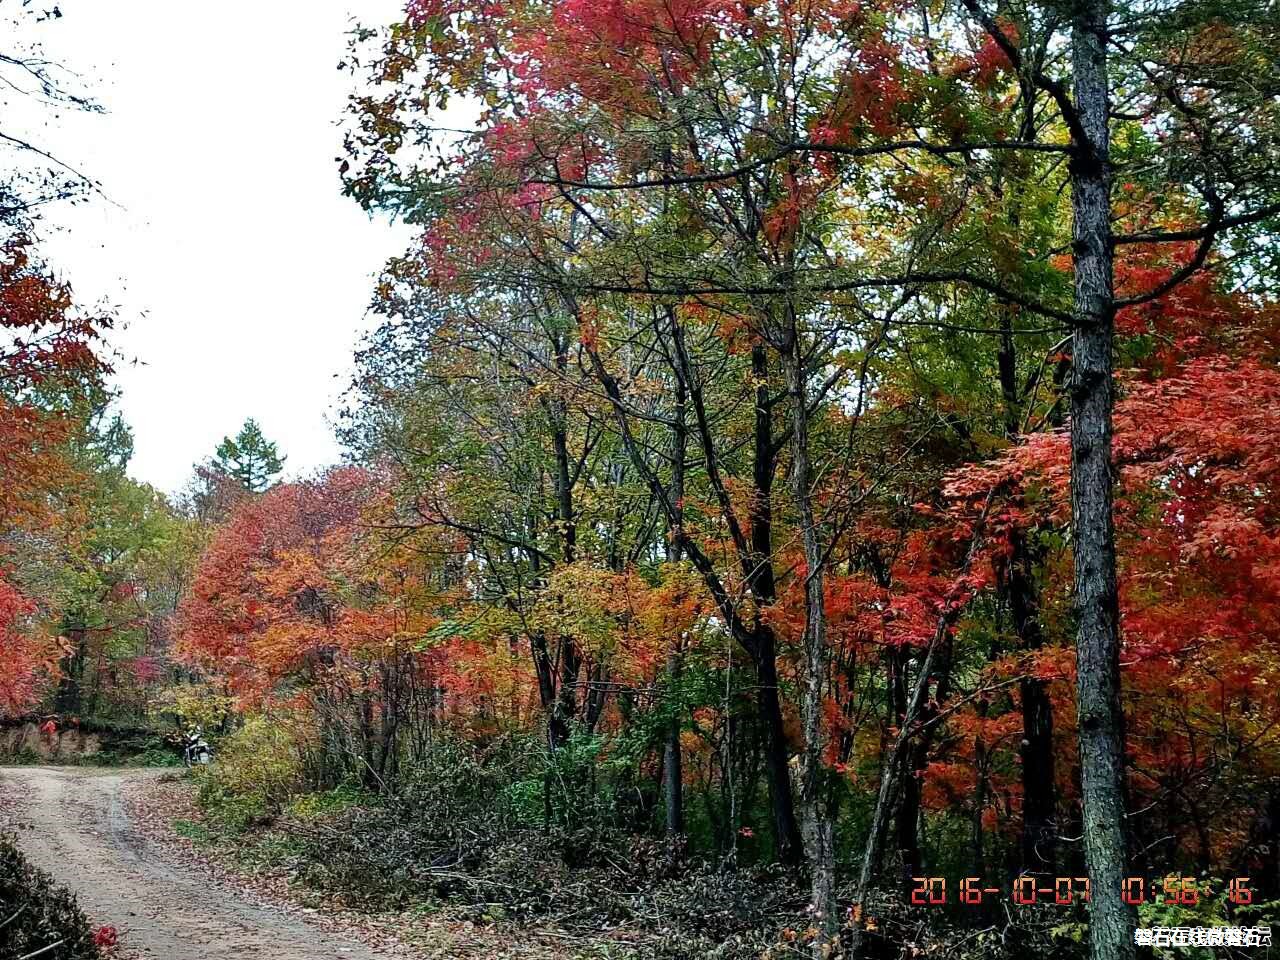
[{"x": 240, "y": 272}]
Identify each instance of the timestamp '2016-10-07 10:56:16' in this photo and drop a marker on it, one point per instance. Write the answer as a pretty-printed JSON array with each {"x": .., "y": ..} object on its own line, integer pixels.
[{"x": 1029, "y": 889}]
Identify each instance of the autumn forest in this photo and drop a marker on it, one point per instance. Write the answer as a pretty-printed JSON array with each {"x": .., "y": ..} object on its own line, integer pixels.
[{"x": 812, "y": 489}]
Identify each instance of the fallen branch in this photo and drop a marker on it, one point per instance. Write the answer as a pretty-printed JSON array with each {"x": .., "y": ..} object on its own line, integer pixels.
[{"x": 42, "y": 950}]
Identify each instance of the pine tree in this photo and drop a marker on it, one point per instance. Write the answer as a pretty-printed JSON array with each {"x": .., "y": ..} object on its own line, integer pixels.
[{"x": 250, "y": 458}]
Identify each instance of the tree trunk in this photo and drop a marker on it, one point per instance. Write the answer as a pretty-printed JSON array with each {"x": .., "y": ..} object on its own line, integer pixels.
[
  {"x": 819, "y": 832},
  {"x": 1100, "y": 713},
  {"x": 979, "y": 853},
  {"x": 1018, "y": 585},
  {"x": 1039, "y": 831},
  {"x": 916, "y": 761},
  {"x": 1268, "y": 846},
  {"x": 786, "y": 830},
  {"x": 569, "y": 662},
  {"x": 1039, "y": 796},
  {"x": 908, "y": 819},
  {"x": 672, "y": 762},
  {"x": 764, "y": 587},
  {"x": 68, "y": 699}
]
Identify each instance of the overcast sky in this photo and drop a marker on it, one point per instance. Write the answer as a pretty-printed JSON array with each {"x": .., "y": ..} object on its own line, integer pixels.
[{"x": 241, "y": 273}]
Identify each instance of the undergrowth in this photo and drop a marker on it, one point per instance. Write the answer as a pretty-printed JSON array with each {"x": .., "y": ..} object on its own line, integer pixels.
[{"x": 500, "y": 835}]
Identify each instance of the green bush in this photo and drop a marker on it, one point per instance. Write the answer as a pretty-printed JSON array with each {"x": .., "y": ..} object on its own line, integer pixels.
[
  {"x": 254, "y": 776},
  {"x": 26, "y": 757},
  {"x": 156, "y": 757},
  {"x": 38, "y": 912},
  {"x": 314, "y": 806}
]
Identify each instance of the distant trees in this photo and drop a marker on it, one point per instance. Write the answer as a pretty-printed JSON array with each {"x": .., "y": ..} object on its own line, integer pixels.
[
  {"x": 299, "y": 604},
  {"x": 49, "y": 359},
  {"x": 53, "y": 366}
]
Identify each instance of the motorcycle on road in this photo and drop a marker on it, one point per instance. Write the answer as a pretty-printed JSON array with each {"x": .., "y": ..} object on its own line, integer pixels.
[{"x": 196, "y": 751}]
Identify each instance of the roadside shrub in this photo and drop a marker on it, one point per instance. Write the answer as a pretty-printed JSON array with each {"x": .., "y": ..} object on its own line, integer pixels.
[
  {"x": 503, "y": 869},
  {"x": 315, "y": 806},
  {"x": 26, "y": 757},
  {"x": 137, "y": 751},
  {"x": 255, "y": 774},
  {"x": 235, "y": 812},
  {"x": 503, "y": 831},
  {"x": 38, "y": 912},
  {"x": 156, "y": 755},
  {"x": 371, "y": 857}
]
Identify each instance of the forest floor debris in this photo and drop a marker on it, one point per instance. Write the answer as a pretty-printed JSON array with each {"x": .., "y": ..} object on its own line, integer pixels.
[{"x": 163, "y": 809}]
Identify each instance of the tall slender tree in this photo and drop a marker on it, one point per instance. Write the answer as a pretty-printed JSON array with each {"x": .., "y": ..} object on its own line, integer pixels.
[{"x": 249, "y": 458}]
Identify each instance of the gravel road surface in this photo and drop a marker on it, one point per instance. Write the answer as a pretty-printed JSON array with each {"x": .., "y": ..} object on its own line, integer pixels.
[{"x": 72, "y": 822}]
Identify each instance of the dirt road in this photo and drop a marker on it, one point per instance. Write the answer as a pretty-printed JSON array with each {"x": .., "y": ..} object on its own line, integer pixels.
[{"x": 72, "y": 823}]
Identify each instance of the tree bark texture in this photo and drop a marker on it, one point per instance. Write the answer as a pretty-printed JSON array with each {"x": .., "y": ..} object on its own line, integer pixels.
[{"x": 1100, "y": 716}]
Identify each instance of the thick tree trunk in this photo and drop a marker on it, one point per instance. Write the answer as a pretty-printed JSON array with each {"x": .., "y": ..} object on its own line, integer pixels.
[
  {"x": 908, "y": 818},
  {"x": 1100, "y": 713},
  {"x": 1039, "y": 805},
  {"x": 672, "y": 761},
  {"x": 565, "y": 708},
  {"x": 763, "y": 647},
  {"x": 1268, "y": 845}
]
